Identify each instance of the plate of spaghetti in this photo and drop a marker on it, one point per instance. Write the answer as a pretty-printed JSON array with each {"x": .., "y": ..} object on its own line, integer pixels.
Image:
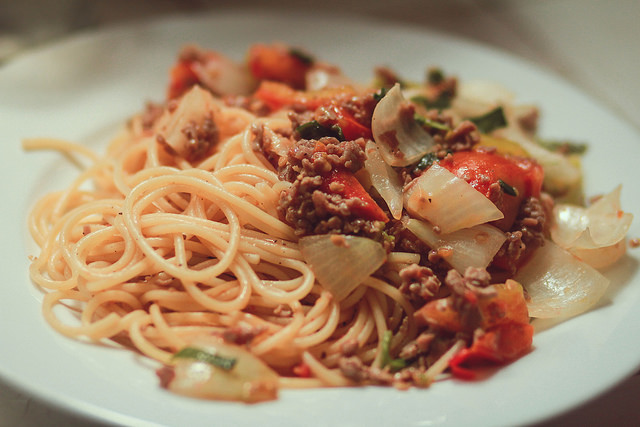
[{"x": 258, "y": 225}]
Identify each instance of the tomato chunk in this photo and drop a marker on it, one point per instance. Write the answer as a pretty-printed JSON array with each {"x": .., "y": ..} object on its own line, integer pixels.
[
  {"x": 344, "y": 183},
  {"x": 500, "y": 344},
  {"x": 181, "y": 78},
  {"x": 278, "y": 63},
  {"x": 515, "y": 177}
]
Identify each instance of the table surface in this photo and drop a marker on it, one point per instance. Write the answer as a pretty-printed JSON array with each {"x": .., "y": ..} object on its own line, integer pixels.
[{"x": 592, "y": 43}]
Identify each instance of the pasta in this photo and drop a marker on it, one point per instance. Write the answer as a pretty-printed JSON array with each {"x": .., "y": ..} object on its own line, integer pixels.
[{"x": 184, "y": 241}]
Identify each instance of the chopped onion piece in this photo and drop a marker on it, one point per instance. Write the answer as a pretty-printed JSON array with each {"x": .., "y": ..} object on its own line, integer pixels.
[
  {"x": 195, "y": 106},
  {"x": 468, "y": 247},
  {"x": 322, "y": 76},
  {"x": 224, "y": 76},
  {"x": 399, "y": 137},
  {"x": 384, "y": 179},
  {"x": 341, "y": 262},
  {"x": 595, "y": 234},
  {"x": 561, "y": 175},
  {"x": 474, "y": 98},
  {"x": 559, "y": 284},
  {"x": 447, "y": 201},
  {"x": 239, "y": 375}
]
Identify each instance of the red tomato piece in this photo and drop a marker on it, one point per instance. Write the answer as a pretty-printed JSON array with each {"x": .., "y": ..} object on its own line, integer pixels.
[
  {"x": 498, "y": 345},
  {"x": 518, "y": 178},
  {"x": 344, "y": 183},
  {"x": 278, "y": 63},
  {"x": 182, "y": 77},
  {"x": 351, "y": 128}
]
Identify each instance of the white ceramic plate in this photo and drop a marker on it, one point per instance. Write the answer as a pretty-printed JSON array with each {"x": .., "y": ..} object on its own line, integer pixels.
[{"x": 84, "y": 88}]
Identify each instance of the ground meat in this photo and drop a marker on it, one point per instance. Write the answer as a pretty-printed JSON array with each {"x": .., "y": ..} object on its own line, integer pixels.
[
  {"x": 201, "y": 137},
  {"x": 419, "y": 283},
  {"x": 308, "y": 208},
  {"x": 464, "y": 136},
  {"x": 417, "y": 347},
  {"x": 386, "y": 76},
  {"x": 242, "y": 334},
  {"x": 151, "y": 113},
  {"x": 473, "y": 279},
  {"x": 166, "y": 374},
  {"x": 249, "y": 103},
  {"x": 527, "y": 233}
]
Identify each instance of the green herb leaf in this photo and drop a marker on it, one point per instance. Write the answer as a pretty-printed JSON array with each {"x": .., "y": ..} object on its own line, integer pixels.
[
  {"x": 434, "y": 75},
  {"x": 314, "y": 130},
  {"x": 565, "y": 147},
  {"x": 221, "y": 362},
  {"x": 380, "y": 94},
  {"x": 394, "y": 364},
  {"x": 431, "y": 123},
  {"x": 508, "y": 189},
  {"x": 426, "y": 161},
  {"x": 302, "y": 56},
  {"x": 440, "y": 103},
  {"x": 490, "y": 121}
]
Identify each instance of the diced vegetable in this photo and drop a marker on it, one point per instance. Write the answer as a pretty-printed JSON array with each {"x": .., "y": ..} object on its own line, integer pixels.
[
  {"x": 194, "y": 107},
  {"x": 559, "y": 284},
  {"x": 210, "y": 368},
  {"x": 517, "y": 177},
  {"x": 279, "y": 63},
  {"x": 501, "y": 304},
  {"x": 468, "y": 247},
  {"x": 384, "y": 179},
  {"x": 490, "y": 121},
  {"x": 401, "y": 140},
  {"x": 344, "y": 183},
  {"x": 500, "y": 344},
  {"x": 595, "y": 234},
  {"x": 341, "y": 262},
  {"x": 447, "y": 201}
]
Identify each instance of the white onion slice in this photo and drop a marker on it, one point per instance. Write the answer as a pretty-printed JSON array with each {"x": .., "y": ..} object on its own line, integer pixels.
[
  {"x": 447, "y": 201},
  {"x": 399, "y": 137},
  {"x": 477, "y": 97},
  {"x": 341, "y": 263},
  {"x": 595, "y": 234},
  {"x": 224, "y": 76},
  {"x": 249, "y": 380},
  {"x": 468, "y": 247},
  {"x": 561, "y": 176},
  {"x": 559, "y": 284},
  {"x": 384, "y": 179},
  {"x": 194, "y": 107}
]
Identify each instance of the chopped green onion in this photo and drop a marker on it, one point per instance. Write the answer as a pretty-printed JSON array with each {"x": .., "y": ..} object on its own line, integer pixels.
[
  {"x": 314, "y": 130},
  {"x": 565, "y": 147},
  {"x": 490, "y": 121},
  {"x": 434, "y": 75},
  {"x": 426, "y": 161},
  {"x": 221, "y": 362},
  {"x": 380, "y": 94},
  {"x": 443, "y": 101},
  {"x": 302, "y": 56},
  {"x": 431, "y": 123},
  {"x": 508, "y": 189},
  {"x": 394, "y": 364}
]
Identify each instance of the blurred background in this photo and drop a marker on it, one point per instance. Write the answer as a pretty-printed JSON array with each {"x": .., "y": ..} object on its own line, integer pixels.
[{"x": 594, "y": 44}]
